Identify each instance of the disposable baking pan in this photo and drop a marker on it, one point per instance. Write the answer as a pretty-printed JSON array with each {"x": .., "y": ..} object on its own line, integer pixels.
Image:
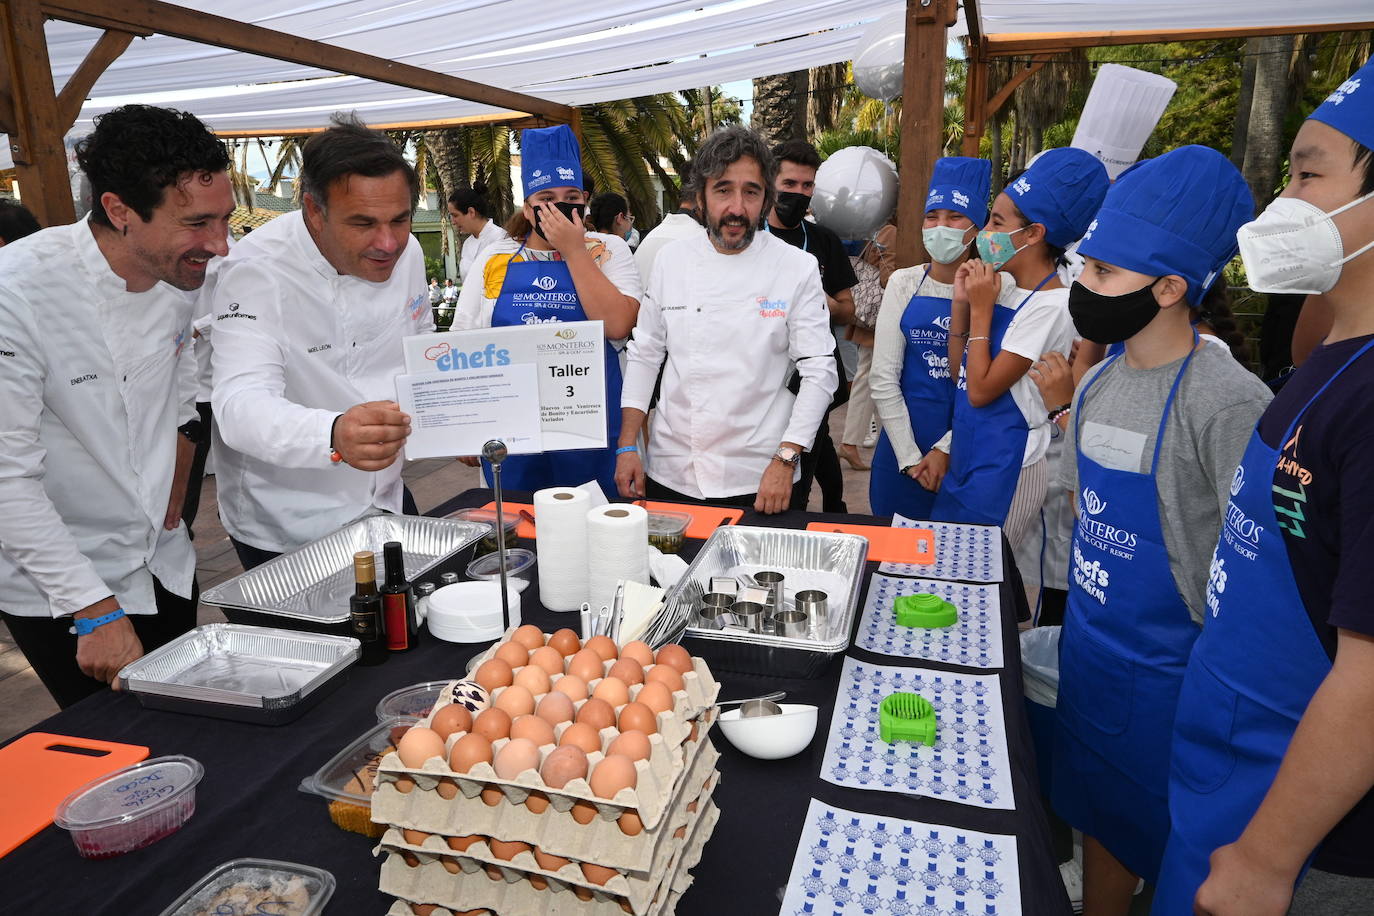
[
  {"x": 796, "y": 554},
  {"x": 249, "y": 674},
  {"x": 309, "y": 588}
]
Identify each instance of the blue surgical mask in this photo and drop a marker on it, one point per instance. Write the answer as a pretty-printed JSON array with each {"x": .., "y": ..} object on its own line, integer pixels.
[{"x": 997, "y": 248}]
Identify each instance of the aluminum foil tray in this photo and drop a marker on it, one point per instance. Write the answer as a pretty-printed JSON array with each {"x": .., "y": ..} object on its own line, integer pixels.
[
  {"x": 252, "y": 674},
  {"x": 838, "y": 558},
  {"x": 313, "y": 583}
]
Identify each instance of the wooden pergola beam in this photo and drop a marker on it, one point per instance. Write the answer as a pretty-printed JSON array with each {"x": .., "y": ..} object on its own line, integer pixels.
[
  {"x": 513, "y": 118},
  {"x": 1010, "y": 44},
  {"x": 36, "y": 141},
  {"x": 104, "y": 52}
]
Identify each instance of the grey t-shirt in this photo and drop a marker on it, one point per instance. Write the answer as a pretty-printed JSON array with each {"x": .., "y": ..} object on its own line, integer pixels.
[{"x": 1209, "y": 425}]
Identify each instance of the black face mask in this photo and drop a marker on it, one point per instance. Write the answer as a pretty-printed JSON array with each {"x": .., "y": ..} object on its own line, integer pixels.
[
  {"x": 571, "y": 211},
  {"x": 790, "y": 207},
  {"x": 1111, "y": 319}
]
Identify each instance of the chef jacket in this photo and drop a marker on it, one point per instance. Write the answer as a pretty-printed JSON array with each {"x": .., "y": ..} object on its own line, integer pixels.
[
  {"x": 94, "y": 381},
  {"x": 296, "y": 344},
  {"x": 475, "y": 246},
  {"x": 731, "y": 328}
]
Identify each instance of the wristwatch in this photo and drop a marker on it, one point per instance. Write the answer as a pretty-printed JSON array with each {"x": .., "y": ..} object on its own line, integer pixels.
[{"x": 787, "y": 455}]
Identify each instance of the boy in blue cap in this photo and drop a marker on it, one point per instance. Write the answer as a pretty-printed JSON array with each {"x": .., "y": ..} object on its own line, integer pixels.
[
  {"x": 526, "y": 279},
  {"x": 1156, "y": 433},
  {"x": 1273, "y": 754},
  {"x": 910, "y": 378}
]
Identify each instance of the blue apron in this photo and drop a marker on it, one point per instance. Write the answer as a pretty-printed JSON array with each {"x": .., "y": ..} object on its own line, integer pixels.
[
  {"x": 989, "y": 445},
  {"x": 535, "y": 292},
  {"x": 1255, "y": 667},
  {"x": 1126, "y": 639}
]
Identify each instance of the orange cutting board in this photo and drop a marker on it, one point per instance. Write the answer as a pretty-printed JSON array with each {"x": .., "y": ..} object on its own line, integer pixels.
[
  {"x": 889, "y": 545},
  {"x": 705, "y": 519},
  {"x": 39, "y": 770}
]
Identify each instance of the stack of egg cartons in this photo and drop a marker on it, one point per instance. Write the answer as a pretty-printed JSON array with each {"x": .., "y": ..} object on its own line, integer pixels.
[{"x": 474, "y": 842}]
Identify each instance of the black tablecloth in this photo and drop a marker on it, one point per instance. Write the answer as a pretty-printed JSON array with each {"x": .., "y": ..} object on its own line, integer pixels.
[{"x": 248, "y": 803}]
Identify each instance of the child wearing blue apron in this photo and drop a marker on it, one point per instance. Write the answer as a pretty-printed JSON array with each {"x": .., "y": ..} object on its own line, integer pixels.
[
  {"x": 556, "y": 271},
  {"x": 910, "y": 379},
  {"x": 1155, "y": 433},
  {"x": 1273, "y": 758},
  {"x": 996, "y": 450}
]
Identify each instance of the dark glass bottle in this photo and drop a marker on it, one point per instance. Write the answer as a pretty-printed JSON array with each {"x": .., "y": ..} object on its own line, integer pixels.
[
  {"x": 398, "y": 602},
  {"x": 365, "y": 610}
]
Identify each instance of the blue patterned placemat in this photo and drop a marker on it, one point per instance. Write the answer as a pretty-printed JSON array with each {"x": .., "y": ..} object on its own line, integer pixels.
[
  {"x": 969, "y": 762},
  {"x": 967, "y": 553},
  {"x": 850, "y": 863},
  {"x": 974, "y": 641}
]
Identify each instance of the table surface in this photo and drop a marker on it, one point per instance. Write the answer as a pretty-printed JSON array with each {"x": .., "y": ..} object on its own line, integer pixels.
[{"x": 248, "y": 804}]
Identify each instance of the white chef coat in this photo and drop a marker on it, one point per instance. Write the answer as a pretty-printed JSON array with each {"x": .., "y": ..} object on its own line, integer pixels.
[
  {"x": 674, "y": 226},
  {"x": 94, "y": 381},
  {"x": 474, "y": 246},
  {"x": 731, "y": 328},
  {"x": 296, "y": 345}
]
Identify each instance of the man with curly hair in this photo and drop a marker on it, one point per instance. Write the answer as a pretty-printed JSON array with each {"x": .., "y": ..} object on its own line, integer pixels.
[{"x": 95, "y": 564}]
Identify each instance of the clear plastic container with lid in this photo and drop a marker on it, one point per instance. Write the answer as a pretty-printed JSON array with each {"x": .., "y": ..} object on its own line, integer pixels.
[
  {"x": 131, "y": 808},
  {"x": 252, "y": 886},
  {"x": 414, "y": 701},
  {"x": 488, "y": 543},
  {"x": 667, "y": 530}
]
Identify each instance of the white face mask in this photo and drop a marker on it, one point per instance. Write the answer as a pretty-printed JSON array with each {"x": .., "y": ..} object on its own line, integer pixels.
[
  {"x": 944, "y": 244},
  {"x": 1294, "y": 247}
]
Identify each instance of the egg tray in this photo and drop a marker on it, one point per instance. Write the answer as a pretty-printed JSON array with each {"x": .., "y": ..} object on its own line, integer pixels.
[
  {"x": 512, "y": 893},
  {"x": 555, "y": 831}
]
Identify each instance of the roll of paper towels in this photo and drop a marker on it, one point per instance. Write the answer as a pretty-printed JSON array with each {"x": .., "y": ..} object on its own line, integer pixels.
[
  {"x": 617, "y": 548},
  {"x": 560, "y": 538}
]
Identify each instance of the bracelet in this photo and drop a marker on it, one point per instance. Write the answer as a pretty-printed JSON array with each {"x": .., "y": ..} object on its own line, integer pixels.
[
  {"x": 1062, "y": 408},
  {"x": 1056, "y": 415},
  {"x": 625, "y": 449},
  {"x": 958, "y": 333},
  {"x": 972, "y": 339},
  {"x": 87, "y": 626},
  {"x": 335, "y": 455}
]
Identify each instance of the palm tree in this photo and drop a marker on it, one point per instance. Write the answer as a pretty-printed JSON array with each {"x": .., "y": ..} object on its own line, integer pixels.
[{"x": 780, "y": 103}]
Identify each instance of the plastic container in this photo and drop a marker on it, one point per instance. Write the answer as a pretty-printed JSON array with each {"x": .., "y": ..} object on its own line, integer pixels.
[
  {"x": 413, "y": 702},
  {"x": 257, "y": 886},
  {"x": 471, "y": 611},
  {"x": 131, "y": 808},
  {"x": 347, "y": 780},
  {"x": 667, "y": 530},
  {"x": 1040, "y": 674},
  {"x": 488, "y": 543},
  {"x": 519, "y": 567}
]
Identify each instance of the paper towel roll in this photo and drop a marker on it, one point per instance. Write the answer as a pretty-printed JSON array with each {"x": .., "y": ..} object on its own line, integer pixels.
[
  {"x": 617, "y": 548},
  {"x": 560, "y": 538}
]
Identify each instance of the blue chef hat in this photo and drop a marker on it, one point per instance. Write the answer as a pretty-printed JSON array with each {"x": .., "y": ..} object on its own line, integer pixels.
[
  {"x": 1350, "y": 108},
  {"x": 1061, "y": 190},
  {"x": 961, "y": 183},
  {"x": 550, "y": 158},
  {"x": 1175, "y": 214}
]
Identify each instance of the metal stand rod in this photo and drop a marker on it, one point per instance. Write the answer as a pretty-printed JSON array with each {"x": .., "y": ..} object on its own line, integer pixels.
[{"x": 495, "y": 452}]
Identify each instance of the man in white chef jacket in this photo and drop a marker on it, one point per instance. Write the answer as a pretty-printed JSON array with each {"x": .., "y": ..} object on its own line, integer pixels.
[
  {"x": 97, "y": 384},
  {"x": 309, "y": 314},
  {"x": 727, "y": 315}
]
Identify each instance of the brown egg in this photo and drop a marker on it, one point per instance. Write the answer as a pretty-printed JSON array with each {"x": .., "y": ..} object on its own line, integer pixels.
[
  {"x": 396, "y": 734},
  {"x": 411, "y": 859},
  {"x": 597, "y": 874},
  {"x": 639, "y": 651},
  {"x": 461, "y": 843},
  {"x": 529, "y": 636},
  {"x": 583, "y": 812},
  {"x": 494, "y": 873},
  {"x": 418, "y": 745},
  {"x": 632, "y": 744},
  {"x": 691, "y": 807},
  {"x": 613, "y": 690},
  {"x": 534, "y": 728},
  {"x": 423, "y": 909},
  {"x": 450, "y": 864},
  {"x": 636, "y": 717},
  {"x": 513, "y": 654},
  {"x": 492, "y": 724},
  {"x": 539, "y": 882},
  {"x": 533, "y": 678},
  {"x": 452, "y": 718},
  {"x": 519, "y": 755},
  {"x": 555, "y": 708},
  {"x": 537, "y": 802},
  {"x": 597, "y": 713},
  {"x": 582, "y": 735},
  {"x": 468, "y": 751},
  {"x": 566, "y": 642},
  {"x": 515, "y": 701},
  {"x": 547, "y": 657},
  {"x": 603, "y": 646},
  {"x": 675, "y": 656},
  {"x": 447, "y": 788},
  {"x": 611, "y": 775},
  {"x": 507, "y": 850},
  {"x": 404, "y": 784},
  {"x": 491, "y": 796},
  {"x": 493, "y": 674},
  {"x": 548, "y": 861},
  {"x": 572, "y": 687},
  {"x": 414, "y": 837},
  {"x": 586, "y": 665},
  {"x": 630, "y": 824},
  {"x": 582, "y": 893},
  {"x": 655, "y": 696},
  {"x": 666, "y": 675},
  {"x": 627, "y": 670},
  {"x": 680, "y": 832},
  {"x": 563, "y": 765}
]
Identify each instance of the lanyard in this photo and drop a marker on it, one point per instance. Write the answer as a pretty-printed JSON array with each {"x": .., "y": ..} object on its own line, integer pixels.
[{"x": 806, "y": 238}]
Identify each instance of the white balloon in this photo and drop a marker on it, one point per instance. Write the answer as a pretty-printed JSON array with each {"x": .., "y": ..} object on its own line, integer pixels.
[
  {"x": 882, "y": 50},
  {"x": 856, "y": 192}
]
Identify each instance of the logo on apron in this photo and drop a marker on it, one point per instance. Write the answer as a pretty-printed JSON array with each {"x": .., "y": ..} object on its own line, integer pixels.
[
  {"x": 1216, "y": 584},
  {"x": 544, "y": 282}
]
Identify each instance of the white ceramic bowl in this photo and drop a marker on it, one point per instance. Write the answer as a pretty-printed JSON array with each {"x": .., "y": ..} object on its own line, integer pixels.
[
  {"x": 471, "y": 611},
  {"x": 771, "y": 737}
]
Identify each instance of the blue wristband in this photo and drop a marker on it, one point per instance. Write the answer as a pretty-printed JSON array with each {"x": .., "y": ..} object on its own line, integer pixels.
[
  {"x": 86, "y": 627},
  {"x": 626, "y": 448}
]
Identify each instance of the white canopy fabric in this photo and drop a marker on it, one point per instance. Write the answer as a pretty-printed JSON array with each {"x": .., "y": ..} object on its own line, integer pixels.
[{"x": 568, "y": 52}]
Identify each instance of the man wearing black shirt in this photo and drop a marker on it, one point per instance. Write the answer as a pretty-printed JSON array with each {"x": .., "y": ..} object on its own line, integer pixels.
[{"x": 798, "y": 162}]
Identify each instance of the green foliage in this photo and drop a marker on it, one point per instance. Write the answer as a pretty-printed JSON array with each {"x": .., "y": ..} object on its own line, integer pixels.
[{"x": 434, "y": 267}]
